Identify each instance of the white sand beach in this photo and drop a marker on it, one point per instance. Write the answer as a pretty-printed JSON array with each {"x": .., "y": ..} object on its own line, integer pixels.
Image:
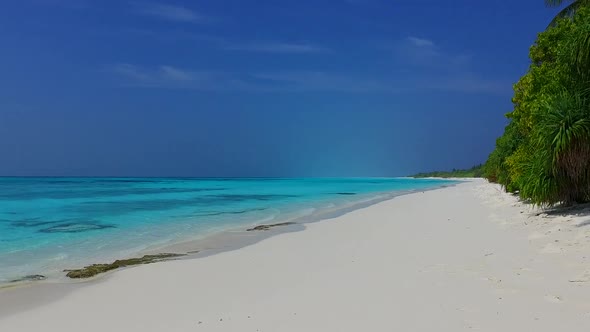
[{"x": 468, "y": 257}]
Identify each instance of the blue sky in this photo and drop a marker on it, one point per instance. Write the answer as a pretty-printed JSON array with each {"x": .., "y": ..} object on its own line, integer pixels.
[{"x": 257, "y": 88}]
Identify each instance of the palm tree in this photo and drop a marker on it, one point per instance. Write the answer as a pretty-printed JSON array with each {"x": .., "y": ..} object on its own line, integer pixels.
[
  {"x": 568, "y": 11},
  {"x": 559, "y": 170}
]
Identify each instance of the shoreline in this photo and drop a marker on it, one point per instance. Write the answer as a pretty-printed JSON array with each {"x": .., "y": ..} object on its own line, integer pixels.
[
  {"x": 241, "y": 237},
  {"x": 79, "y": 230},
  {"x": 234, "y": 238},
  {"x": 208, "y": 245},
  {"x": 466, "y": 256}
]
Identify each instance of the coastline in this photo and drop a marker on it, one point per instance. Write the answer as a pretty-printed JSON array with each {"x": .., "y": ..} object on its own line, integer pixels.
[
  {"x": 202, "y": 245},
  {"x": 466, "y": 256},
  {"x": 159, "y": 223},
  {"x": 198, "y": 247},
  {"x": 240, "y": 237}
]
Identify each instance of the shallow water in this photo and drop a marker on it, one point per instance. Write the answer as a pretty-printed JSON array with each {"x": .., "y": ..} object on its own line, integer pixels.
[{"x": 48, "y": 224}]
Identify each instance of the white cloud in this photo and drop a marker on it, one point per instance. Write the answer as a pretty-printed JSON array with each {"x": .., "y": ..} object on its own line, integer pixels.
[
  {"x": 132, "y": 72},
  {"x": 426, "y": 53},
  {"x": 274, "y": 47},
  {"x": 324, "y": 81},
  {"x": 175, "y": 74},
  {"x": 169, "y": 77},
  {"x": 159, "y": 76},
  {"x": 170, "y": 12},
  {"x": 469, "y": 83},
  {"x": 296, "y": 81},
  {"x": 68, "y": 4},
  {"x": 421, "y": 42}
]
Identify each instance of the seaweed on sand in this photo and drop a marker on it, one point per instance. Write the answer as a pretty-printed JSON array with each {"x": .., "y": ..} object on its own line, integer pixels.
[
  {"x": 95, "y": 269},
  {"x": 267, "y": 227}
]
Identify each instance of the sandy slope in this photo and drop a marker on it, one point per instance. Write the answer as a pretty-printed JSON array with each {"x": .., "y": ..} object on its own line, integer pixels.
[{"x": 462, "y": 258}]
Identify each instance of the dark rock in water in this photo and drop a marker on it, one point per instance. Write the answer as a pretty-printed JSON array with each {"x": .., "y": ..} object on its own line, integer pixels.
[
  {"x": 34, "y": 277},
  {"x": 212, "y": 214},
  {"x": 95, "y": 269},
  {"x": 255, "y": 197},
  {"x": 267, "y": 227},
  {"x": 34, "y": 222},
  {"x": 75, "y": 228},
  {"x": 346, "y": 194}
]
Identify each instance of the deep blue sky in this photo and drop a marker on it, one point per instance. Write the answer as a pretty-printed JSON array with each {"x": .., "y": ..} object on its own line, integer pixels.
[{"x": 257, "y": 88}]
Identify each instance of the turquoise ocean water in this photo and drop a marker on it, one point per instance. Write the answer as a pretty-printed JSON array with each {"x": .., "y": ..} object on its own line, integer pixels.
[{"x": 49, "y": 224}]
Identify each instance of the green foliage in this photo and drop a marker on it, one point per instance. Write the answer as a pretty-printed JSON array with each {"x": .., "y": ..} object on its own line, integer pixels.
[
  {"x": 546, "y": 76},
  {"x": 568, "y": 11},
  {"x": 545, "y": 150},
  {"x": 473, "y": 172},
  {"x": 496, "y": 169},
  {"x": 559, "y": 167}
]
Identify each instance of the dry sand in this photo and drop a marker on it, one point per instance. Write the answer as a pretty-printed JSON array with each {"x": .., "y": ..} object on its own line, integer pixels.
[{"x": 467, "y": 257}]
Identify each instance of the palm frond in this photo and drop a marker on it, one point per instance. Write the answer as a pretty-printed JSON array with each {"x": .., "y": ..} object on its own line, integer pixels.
[
  {"x": 582, "y": 63},
  {"x": 562, "y": 152},
  {"x": 568, "y": 11},
  {"x": 553, "y": 3}
]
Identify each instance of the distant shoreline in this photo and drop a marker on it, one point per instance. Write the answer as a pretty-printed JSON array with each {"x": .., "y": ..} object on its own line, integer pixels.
[{"x": 473, "y": 172}]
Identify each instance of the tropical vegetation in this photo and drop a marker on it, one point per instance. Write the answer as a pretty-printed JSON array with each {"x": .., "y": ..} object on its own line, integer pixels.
[
  {"x": 473, "y": 172},
  {"x": 568, "y": 11},
  {"x": 544, "y": 153}
]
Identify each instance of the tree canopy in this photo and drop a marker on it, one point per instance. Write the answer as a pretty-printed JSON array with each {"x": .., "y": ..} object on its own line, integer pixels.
[
  {"x": 544, "y": 153},
  {"x": 568, "y": 11}
]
